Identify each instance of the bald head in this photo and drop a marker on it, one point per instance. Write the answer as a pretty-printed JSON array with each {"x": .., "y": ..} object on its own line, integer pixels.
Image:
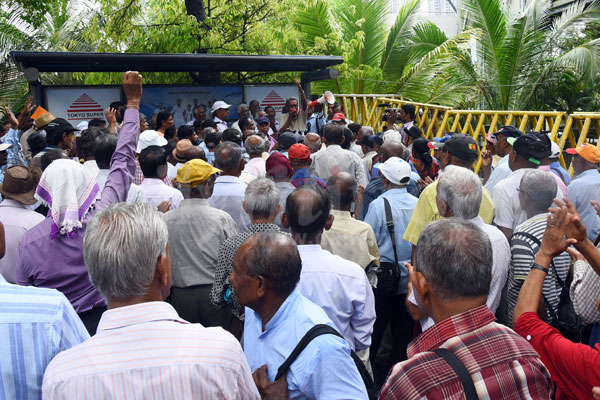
[
  {"x": 392, "y": 149},
  {"x": 193, "y": 153},
  {"x": 307, "y": 211},
  {"x": 313, "y": 142},
  {"x": 228, "y": 158},
  {"x": 254, "y": 145},
  {"x": 342, "y": 189}
]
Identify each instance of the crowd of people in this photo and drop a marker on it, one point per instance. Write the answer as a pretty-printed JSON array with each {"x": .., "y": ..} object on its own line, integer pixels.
[{"x": 300, "y": 257}]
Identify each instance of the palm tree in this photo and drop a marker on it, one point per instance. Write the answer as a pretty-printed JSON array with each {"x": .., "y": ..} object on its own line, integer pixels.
[{"x": 517, "y": 54}]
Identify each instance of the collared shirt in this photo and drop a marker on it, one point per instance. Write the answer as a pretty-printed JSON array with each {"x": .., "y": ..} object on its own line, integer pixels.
[
  {"x": 509, "y": 213},
  {"x": 585, "y": 291},
  {"x": 559, "y": 171},
  {"x": 157, "y": 191},
  {"x": 315, "y": 123},
  {"x": 228, "y": 195},
  {"x": 256, "y": 166},
  {"x": 227, "y": 251},
  {"x": 15, "y": 155},
  {"x": 404, "y": 128},
  {"x": 92, "y": 167},
  {"x": 58, "y": 263},
  {"x": 341, "y": 288},
  {"x": 17, "y": 219},
  {"x": 501, "y": 364},
  {"x": 196, "y": 230},
  {"x": 523, "y": 251},
  {"x": 302, "y": 175},
  {"x": 333, "y": 160},
  {"x": 351, "y": 239},
  {"x": 35, "y": 325},
  {"x": 135, "y": 194},
  {"x": 575, "y": 367},
  {"x": 402, "y": 204},
  {"x": 500, "y": 265},
  {"x": 246, "y": 177},
  {"x": 501, "y": 171},
  {"x": 324, "y": 369},
  {"x": 586, "y": 187},
  {"x": 138, "y": 177},
  {"x": 146, "y": 351},
  {"x": 299, "y": 124},
  {"x": 427, "y": 211},
  {"x": 221, "y": 125},
  {"x": 368, "y": 161}
]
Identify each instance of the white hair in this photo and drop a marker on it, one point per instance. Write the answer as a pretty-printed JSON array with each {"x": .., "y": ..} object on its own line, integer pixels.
[
  {"x": 461, "y": 189},
  {"x": 120, "y": 248},
  {"x": 261, "y": 198}
]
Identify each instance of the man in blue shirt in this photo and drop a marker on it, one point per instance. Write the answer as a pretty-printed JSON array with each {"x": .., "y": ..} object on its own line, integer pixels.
[
  {"x": 35, "y": 325},
  {"x": 266, "y": 270},
  {"x": 391, "y": 308},
  {"x": 586, "y": 186}
]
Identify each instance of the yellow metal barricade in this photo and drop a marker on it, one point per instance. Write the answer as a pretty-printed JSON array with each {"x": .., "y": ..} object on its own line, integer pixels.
[{"x": 577, "y": 131}]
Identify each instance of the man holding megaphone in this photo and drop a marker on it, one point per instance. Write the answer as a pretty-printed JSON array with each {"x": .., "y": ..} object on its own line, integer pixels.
[{"x": 294, "y": 116}]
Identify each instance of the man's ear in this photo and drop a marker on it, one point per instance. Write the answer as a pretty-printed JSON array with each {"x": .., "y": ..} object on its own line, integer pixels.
[
  {"x": 244, "y": 206},
  {"x": 242, "y": 164},
  {"x": 329, "y": 222},
  {"x": 422, "y": 291},
  {"x": 284, "y": 221},
  {"x": 443, "y": 207},
  {"x": 162, "y": 272},
  {"x": 278, "y": 209},
  {"x": 261, "y": 286}
]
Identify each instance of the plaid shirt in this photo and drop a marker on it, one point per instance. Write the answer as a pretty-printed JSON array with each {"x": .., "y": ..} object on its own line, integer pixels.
[
  {"x": 138, "y": 178},
  {"x": 501, "y": 363}
]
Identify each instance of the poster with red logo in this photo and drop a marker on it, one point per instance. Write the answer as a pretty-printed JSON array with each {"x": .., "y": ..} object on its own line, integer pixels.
[
  {"x": 274, "y": 96},
  {"x": 80, "y": 103}
]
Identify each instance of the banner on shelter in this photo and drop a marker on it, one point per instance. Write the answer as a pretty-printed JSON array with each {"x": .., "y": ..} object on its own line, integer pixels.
[
  {"x": 181, "y": 100},
  {"x": 80, "y": 103},
  {"x": 274, "y": 96}
]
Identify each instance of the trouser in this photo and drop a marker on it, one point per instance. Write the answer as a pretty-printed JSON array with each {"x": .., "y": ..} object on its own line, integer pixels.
[
  {"x": 390, "y": 309},
  {"x": 193, "y": 305},
  {"x": 91, "y": 318}
]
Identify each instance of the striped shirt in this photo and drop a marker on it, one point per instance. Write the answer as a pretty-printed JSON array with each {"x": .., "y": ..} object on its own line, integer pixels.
[
  {"x": 523, "y": 251},
  {"x": 146, "y": 351},
  {"x": 502, "y": 364},
  {"x": 35, "y": 325}
]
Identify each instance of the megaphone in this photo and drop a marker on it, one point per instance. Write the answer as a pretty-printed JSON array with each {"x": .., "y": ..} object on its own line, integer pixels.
[{"x": 327, "y": 97}]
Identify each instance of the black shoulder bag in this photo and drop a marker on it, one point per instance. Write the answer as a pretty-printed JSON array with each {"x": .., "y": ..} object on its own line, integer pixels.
[
  {"x": 564, "y": 318},
  {"x": 314, "y": 332},
  {"x": 388, "y": 278},
  {"x": 461, "y": 371}
]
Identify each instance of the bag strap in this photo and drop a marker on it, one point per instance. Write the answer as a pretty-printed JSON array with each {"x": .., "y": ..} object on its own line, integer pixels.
[
  {"x": 539, "y": 243},
  {"x": 560, "y": 174},
  {"x": 389, "y": 221},
  {"x": 317, "y": 330},
  {"x": 461, "y": 371}
]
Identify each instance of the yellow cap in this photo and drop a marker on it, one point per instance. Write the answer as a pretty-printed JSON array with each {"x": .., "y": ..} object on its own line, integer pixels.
[{"x": 195, "y": 172}]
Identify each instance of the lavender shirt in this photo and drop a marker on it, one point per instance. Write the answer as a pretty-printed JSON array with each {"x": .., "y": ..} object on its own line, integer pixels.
[{"x": 58, "y": 264}]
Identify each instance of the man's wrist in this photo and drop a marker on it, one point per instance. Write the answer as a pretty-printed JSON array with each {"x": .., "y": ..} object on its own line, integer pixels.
[
  {"x": 543, "y": 259},
  {"x": 539, "y": 268}
]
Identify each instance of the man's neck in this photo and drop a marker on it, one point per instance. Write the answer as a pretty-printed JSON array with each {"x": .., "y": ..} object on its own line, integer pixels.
[
  {"x": 235, "y": 174},
  {"x": 253, "y": 156},
  {"x": 262, "y": 220},
  {"x": 300, "y": 239},
  {"x": 268, "y": 308},
  {"x": 446, "y": 309}
]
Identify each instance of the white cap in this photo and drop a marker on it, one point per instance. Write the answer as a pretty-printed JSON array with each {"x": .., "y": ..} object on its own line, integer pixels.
[
  {"x": 392, "y": 136},
  {"x": 218, "y": 105},
  {"x": 555, "y": 149},
  {"x": 82, "y": 126},
  {"x": 150, "y": 138},
  {"x": 5, "y": 146},
  {"x": 396, "y": 170}
]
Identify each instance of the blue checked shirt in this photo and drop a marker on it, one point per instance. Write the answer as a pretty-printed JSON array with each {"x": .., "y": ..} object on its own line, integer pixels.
[{"x": 35, "y": 325}]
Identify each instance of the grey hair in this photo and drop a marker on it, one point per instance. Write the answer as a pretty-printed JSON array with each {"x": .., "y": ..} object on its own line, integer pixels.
[
  {"x": 233, "y": 150},
  {"x": 255, "y": 149},
  {"x": 275, "y": 256},
  {"x": 261, "y": 198},
  {"x": 313, "y": 146},
  {"x": 206, "y": 131},
  {"x": 540, "y": 187},
  {"x": 455, "y": 256},
  {"x": 120, "y": 248},
  {"x": 239, "y": 107},
  {"x": 368, "y": 130},
  {"x": 461, "y": 189}
]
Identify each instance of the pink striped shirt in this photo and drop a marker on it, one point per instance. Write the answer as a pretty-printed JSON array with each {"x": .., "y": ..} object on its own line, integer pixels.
[{"x": 146, "y": 351}]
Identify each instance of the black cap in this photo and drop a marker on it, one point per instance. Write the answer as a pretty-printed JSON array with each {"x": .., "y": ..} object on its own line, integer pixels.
[
  {"x": 286, "y": 140},
  {"x": 545, "y": 139},
  {"x": 414, "y": 132},
  {"x": 213, "y": 139},
  {"x": 37, "y": 140},
  {"x": 58, "y": 126},
  {"x": 462, "y": 146},
  {"x": 509, "y": 131},
  {"x": 530, "y": 147}
]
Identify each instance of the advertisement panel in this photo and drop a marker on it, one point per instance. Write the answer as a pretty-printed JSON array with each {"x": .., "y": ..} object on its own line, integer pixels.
[
  {"x": 181, "y": 100},
  {"x": 80, "y": 103},
  {"x": 274, "y": 96}
]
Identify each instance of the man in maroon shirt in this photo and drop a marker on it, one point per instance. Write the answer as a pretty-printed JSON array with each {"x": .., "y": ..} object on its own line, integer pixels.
[{"x": 451, "y": 281}]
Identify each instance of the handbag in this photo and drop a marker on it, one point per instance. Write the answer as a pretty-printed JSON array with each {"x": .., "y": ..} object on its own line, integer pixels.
[{"x": 388, "y": 276}]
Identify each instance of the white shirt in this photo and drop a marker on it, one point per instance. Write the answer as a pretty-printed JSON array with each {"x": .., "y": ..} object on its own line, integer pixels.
[
  {"x": 135, "y": 194},
  {"x": 157, "y": 191},
  {"x": 17, "y": 219},
  {"x": 172, "y": 170},
  {"x": 501, "y": 171},
  {"x": 509, "y": 213},
  {"x": 146, "y": 351},
  {"x": 341, "y": 288},
  {"x": 92, "y": 167},
  {"x": 256, "y": 166},
  {"x": 501, "y": 264},
  {"x": 333, "y": 160},
  {"x": 228, "y": 196},
  {"x": 178, "y": 117},
  {"x": 221, "y": 125}
]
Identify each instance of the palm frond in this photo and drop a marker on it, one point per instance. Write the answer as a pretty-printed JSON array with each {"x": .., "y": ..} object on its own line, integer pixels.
[{"x": 313, "y": 20}]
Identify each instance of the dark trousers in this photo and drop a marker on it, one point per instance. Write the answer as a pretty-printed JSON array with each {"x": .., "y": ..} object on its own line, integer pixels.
[
  {"x": 390, "y": 309},
  {"x": 91, "y": 318},
  {"x": 193, "y": 304}
]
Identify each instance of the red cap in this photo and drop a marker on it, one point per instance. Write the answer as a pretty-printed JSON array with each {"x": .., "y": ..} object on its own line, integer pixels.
[
  {"x": 338, "y": 117},
  {"x": 299, "y": 152}
]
